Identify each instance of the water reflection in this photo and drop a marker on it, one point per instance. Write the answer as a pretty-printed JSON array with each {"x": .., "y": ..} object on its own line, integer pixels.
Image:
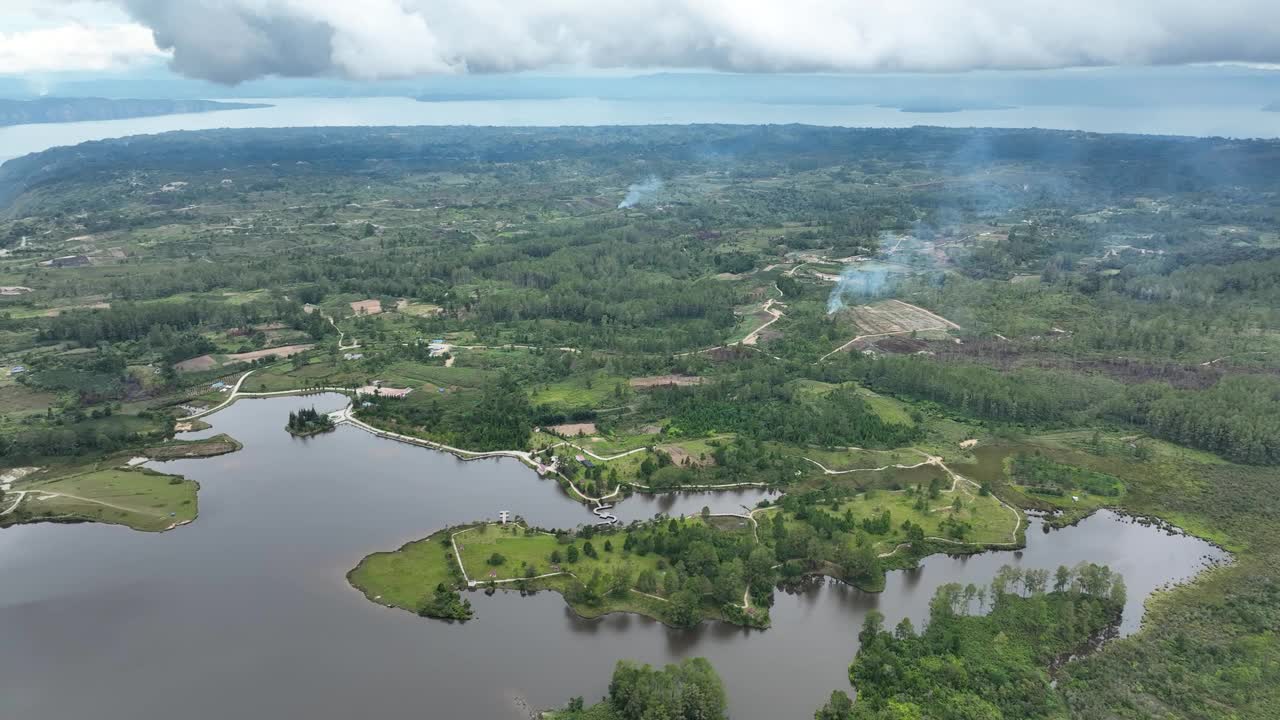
[{"x": 246, "y": 612}]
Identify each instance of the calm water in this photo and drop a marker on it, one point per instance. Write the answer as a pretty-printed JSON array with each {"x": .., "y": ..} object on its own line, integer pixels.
[
  {"x": 1199, "y": 120},
  {"x": 247, "y": 613}
]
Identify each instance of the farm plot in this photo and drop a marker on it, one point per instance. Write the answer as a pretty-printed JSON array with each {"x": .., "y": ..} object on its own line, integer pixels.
[{"x": 894, "y": 316}]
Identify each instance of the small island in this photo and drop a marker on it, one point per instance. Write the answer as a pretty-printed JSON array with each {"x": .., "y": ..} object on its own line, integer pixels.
[{"x": 308, "y": 422}]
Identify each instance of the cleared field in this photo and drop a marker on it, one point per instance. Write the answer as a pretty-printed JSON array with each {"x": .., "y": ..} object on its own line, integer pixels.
[
  {"x": 280, "y": 352},
  {"x": 210, "y": 362},
  {"x": 197, "y": 364},
  {"x": 419, "y": 309},
  {"x": 366, "y": 307},
  {"x": 574, "y": 429},
  {"x": 662, "y": 380},
  {"x": 895, "y": 316}
]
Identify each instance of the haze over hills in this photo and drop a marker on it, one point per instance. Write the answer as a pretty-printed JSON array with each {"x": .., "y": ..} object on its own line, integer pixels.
[{"x": 1103, "y": 87}]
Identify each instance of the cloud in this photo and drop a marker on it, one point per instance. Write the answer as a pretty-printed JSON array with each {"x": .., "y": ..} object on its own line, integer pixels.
[
  {"x": 74, "y": 46},
  {"x": 235, "y": 40}
]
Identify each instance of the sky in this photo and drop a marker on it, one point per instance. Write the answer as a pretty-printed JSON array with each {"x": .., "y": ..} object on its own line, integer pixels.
[{"x": 232, "y": 41}]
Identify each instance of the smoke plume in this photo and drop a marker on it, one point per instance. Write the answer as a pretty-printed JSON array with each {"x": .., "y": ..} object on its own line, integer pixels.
[
  {"x": 860, "y": 281},
  {"x": 236, "y": 40},
  {"x": 641, "y": 191}
]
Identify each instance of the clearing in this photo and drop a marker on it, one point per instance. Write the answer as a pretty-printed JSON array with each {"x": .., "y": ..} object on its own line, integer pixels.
[
  {"x": 894, "y": 316},
  {"x": 664, "y": 380},
  {"x": 573, "y": 429},
  {"x": 366, "y": 307}
]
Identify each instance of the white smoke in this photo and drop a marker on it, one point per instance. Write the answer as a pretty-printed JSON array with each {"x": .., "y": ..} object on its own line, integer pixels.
[
  {"x": 236, "y": 40},
  {"x": 861, "y": 281},
  {"x": 641, "y": 191}
]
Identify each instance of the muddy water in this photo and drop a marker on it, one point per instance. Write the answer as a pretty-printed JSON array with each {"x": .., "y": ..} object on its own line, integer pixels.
[{"x": 246, "y": 612}]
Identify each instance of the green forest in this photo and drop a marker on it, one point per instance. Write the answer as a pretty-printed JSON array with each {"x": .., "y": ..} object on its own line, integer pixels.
[{"x": 913, "y": 336}]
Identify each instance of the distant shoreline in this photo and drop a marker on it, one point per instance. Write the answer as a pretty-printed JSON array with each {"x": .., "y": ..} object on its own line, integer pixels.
[{"x": 51, "y": 110}]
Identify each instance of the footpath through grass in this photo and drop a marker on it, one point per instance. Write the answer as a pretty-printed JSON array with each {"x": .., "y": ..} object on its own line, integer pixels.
[{"x": 139, "y": 498}]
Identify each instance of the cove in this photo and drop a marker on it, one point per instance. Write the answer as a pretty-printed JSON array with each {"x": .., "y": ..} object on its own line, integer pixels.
[{"x": 246, "y": 612}]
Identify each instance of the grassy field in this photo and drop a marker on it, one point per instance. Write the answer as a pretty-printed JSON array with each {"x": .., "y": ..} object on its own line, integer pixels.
[
  {"x": 139, "y": 498},
  {"x": 534, "y": 549},
  {"x": 990, "y": 522},
  {"x": 405, "y": 577},
  {"x": 595, "y": 390}
]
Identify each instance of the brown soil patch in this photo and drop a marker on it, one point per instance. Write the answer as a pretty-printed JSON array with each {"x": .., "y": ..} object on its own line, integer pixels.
[
  {"x": 366, "y": 307},
  {"x": 664, "y": 380},
  {"x": 895, "y": 316},
  {"x": 280, "y": 352},
  {"x": 573, "y": 429},
  {"x": 196, "y": 364},
  {"x": 683, "y": 458}
]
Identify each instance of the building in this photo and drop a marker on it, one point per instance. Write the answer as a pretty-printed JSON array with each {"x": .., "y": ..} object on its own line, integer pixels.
[
  {"x": 504, "y": 516},
  {"x": 17, "y": 370}
]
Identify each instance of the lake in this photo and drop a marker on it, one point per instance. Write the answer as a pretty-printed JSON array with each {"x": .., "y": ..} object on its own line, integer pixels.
[
  {"x": 247, "y": 613},
  {"x": 1198, "y": 120}
]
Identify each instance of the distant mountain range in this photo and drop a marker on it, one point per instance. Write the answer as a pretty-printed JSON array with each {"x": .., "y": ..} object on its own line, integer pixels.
[
  {"x": 60, "y": 109},
  {"x": 1273, "y": 107}
]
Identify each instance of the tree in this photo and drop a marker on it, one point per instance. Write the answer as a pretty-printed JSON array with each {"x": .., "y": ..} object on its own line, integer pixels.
[
  {"x": 689, "y": 691},
  {"x": 647, "y": 582},
  {"x": 838, "y": 707},
  {"x": 872, "y": 626},
  {"x": 496, "y": 559},
  {"x": 1061, "y": 579},
  {"x": 1119, "y": 594},
  {"x": 572, "y": 553},
  {"x": 728, "y": 585},
  {"x": 683, "y": 608}
]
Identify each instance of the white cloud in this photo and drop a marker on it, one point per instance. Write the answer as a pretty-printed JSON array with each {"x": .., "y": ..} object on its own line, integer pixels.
[
  {"x": 233, "y": 40},
  {"x": 75, "y": 46}
]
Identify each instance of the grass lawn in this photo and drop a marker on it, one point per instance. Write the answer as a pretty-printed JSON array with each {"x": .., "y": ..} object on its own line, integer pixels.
[
  {"x": 139, "y": 498},
  {"x": 520, "y": 550},
  {"x": 408, "y": 576}
]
